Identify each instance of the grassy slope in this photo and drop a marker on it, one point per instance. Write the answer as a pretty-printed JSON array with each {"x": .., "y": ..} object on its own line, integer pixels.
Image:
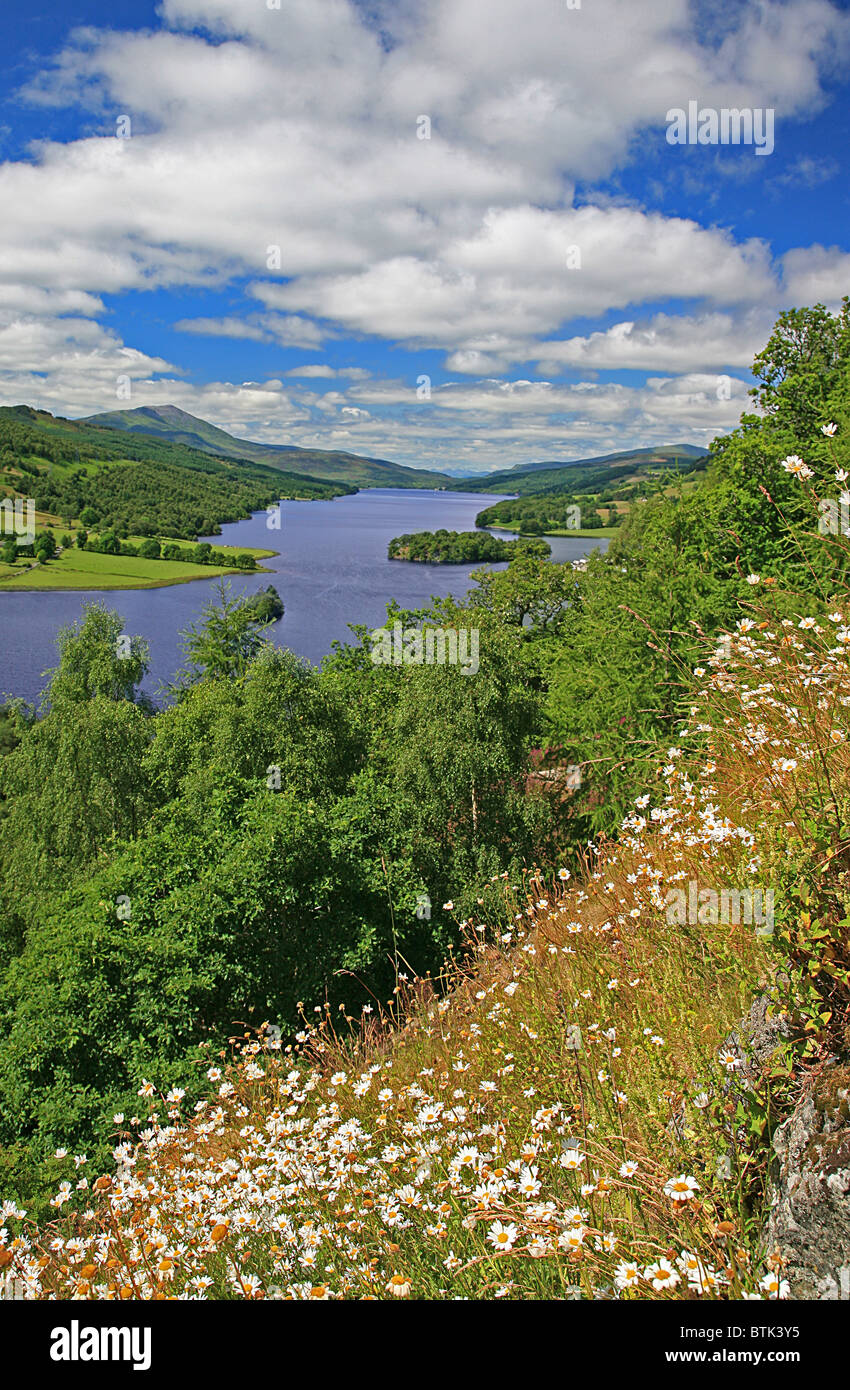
[{"x": 568, "y": 1118}]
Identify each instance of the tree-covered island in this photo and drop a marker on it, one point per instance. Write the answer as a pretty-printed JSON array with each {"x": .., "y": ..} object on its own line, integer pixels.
[{"x": 461, "y": 547}]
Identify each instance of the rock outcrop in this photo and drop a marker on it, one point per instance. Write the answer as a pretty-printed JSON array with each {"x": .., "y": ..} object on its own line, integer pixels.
[
  {"x": 757, "y": 1037},
  {"x": 809, "y": 1221}
]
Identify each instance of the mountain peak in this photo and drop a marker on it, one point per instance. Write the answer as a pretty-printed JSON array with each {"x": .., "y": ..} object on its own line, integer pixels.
[
  {"x": 328, "y": 465},
  {"x": 170, "y": 413}
]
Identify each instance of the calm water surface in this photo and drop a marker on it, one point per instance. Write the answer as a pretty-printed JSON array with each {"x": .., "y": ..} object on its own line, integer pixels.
[{"x": 332, "y": 570}]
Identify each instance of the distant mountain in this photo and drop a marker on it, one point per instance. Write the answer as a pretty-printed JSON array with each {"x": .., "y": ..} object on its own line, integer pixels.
[
  {"x": 665, "y": 453},
  {"x": 526, "y": 478},
  {"x": 170, "y": 422},
  {"x": 66, "y": 440}
]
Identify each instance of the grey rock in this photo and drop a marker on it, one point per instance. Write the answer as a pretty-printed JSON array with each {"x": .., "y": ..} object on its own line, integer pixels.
[
  {"x": 809, "y": 1220},
  {"x": 756, "y": 1039}
]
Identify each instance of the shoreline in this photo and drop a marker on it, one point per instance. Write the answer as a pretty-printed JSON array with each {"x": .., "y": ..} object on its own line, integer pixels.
[
  {"x": 125, "y": 588},
  {"x": 215, "y": 572}
]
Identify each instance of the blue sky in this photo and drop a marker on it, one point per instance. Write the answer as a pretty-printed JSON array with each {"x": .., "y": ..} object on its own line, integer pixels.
[{"x": 228, "y": 205}]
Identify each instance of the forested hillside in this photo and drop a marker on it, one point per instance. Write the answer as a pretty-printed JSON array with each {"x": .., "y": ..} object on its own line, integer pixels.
[
  {"x": 589, "y": 499},
  {"x": 143, "y": 486}
]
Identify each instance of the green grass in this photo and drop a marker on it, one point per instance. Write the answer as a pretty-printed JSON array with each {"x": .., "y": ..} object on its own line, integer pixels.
[
  {"x": 257, "y": 552},
  {"x": 86, "y": 569},
  {"x": 607, "y": 531}
]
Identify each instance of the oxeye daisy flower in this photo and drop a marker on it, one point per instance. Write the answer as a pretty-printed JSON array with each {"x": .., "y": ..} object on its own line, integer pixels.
[
  {"x": 661, "y": 1275},
  {"x": 626, "y": 1275},
  {"x": 775, "y": 1287},
  {"x": 502, "y": 1237},
  {"x": 794, "y": 465},
  {"x": 529, "y": 1184},
  {"x": 697, "y": 1275},
  {"x": 538, "y": 1248},
  {"x": 399, "y": 1286},
  {"x": 572, "y": 1239},
  {"x": 681, "y": 1189},
  {"x": 574, "y": 1216}
]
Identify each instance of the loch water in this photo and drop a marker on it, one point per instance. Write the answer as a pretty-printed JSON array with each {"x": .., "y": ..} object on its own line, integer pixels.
[{"x": 331, "y": 570}]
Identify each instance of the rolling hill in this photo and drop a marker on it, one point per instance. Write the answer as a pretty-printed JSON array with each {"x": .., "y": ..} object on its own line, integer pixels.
[
  {"x": 135, "y": 484},
  {"x": 547, "y": 500},
  {"x": 666, "y": 453},
  {"x": 169, "y": 422},
  {"x": 526, "y": 478},
  {"x": 66, "y": 442}
]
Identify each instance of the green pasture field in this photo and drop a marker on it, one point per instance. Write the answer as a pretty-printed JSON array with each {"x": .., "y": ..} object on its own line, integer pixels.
[{"x": 87, "y": 569}]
